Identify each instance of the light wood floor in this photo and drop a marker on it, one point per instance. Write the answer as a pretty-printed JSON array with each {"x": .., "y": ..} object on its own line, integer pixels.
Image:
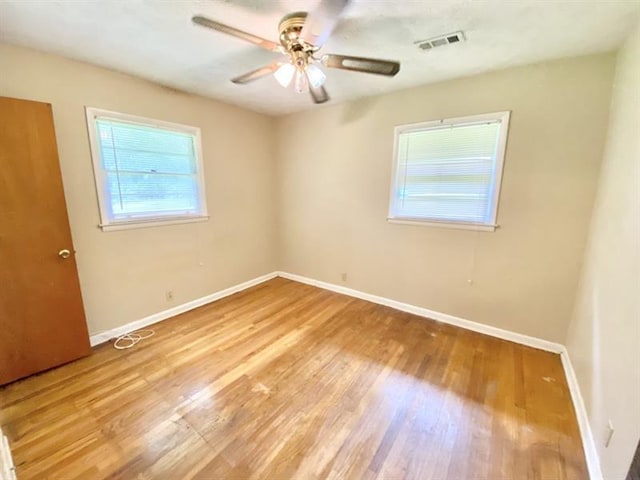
[{"x": 289, "y": 381}]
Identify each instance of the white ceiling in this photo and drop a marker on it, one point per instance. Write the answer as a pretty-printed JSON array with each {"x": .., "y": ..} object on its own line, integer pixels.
[{"x": 157, "y": 41}]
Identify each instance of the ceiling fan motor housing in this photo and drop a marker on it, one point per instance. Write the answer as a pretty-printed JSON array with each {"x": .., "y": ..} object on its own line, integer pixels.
[{"x": 290, "y": 28}]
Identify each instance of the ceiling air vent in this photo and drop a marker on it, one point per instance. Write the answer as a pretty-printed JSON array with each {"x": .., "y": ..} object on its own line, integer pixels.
[{"x": 455, "y": 37}]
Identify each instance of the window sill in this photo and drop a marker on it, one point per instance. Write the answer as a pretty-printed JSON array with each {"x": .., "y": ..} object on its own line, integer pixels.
[
  {"x": 110, "y": 227},
  {"x": 431, "y": 223}
]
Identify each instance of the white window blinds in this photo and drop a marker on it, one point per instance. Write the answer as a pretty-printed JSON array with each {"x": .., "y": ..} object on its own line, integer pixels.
[
  {"x": 449, "y": 172},
  {"x": 146, "y": 172}
]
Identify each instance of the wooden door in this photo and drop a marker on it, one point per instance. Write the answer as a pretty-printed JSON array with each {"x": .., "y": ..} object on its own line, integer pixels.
[{"x": 42, "y": 322}]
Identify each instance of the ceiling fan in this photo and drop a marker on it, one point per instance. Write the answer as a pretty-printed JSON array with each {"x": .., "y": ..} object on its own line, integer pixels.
[{"x": 301, "y": 36}]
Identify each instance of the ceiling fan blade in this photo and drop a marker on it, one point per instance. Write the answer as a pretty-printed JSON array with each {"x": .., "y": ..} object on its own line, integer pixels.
[
  {"x": 361, "y": 64},
  {"x": 322, "y": 20},
  {"x": 221, "y": 27},
  {"x": 256, "y": 74},
  {"x": 319, "y": 95}
]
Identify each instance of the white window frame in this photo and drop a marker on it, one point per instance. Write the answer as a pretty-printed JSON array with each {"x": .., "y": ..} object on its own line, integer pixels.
[
  {"x": 109, "y": 224},
  {"x": 491, "y": 225}
]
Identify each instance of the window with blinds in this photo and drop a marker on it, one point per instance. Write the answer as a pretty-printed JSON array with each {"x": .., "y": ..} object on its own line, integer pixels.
[
  {"x": 146, "y": 171},
  {"x": 449, "y": 171}
]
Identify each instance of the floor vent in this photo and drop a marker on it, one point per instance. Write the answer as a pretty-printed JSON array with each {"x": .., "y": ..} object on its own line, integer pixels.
[{"x": 455, "y": 37}]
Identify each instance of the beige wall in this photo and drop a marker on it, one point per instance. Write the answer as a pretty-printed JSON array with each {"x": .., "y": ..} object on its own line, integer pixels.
[
  {"x": 604, "y": 335},
  {"x": 334, "y": 167},
  {"x": 328, "y": 194},
  {"x": 124, "y": 274}
]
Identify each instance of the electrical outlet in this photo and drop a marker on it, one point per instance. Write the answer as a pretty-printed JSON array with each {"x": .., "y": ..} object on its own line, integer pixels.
[
  {"x": 608, "y": 434},
  {"x": 169, "y": 295},
  {"x": 344, "y": 277}
]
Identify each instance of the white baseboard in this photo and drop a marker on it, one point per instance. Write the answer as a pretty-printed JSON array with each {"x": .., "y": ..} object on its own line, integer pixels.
[
  {"x": 105, "y": 336},
  {"x": 7, "y": 469},
  {"x": 424, "y": 312},
  {"x": 591, "y": 454},
  {"x": 588, "y": 443}
]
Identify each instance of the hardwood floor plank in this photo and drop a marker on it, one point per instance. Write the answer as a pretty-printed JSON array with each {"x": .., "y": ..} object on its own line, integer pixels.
[{"x": 286, "y": 380}]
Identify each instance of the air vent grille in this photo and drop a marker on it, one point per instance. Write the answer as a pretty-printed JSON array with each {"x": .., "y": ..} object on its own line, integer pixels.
[{"x": 455, "y": 37}]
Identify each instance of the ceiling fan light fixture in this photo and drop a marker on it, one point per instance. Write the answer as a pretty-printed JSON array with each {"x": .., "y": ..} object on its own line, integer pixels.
[
  {"x": 315, "y": 75},
  {"x": 284, "y": 74},
  {"x": 301, "y": 84}
]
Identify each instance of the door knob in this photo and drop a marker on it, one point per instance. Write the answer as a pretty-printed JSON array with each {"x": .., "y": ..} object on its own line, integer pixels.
[{"x": 64, "y": 253}]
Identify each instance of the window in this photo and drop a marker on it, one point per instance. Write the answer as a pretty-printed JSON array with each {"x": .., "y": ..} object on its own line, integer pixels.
[
  {"x": 448, "y": 172},
  {"x": 147, "y": 172}
]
